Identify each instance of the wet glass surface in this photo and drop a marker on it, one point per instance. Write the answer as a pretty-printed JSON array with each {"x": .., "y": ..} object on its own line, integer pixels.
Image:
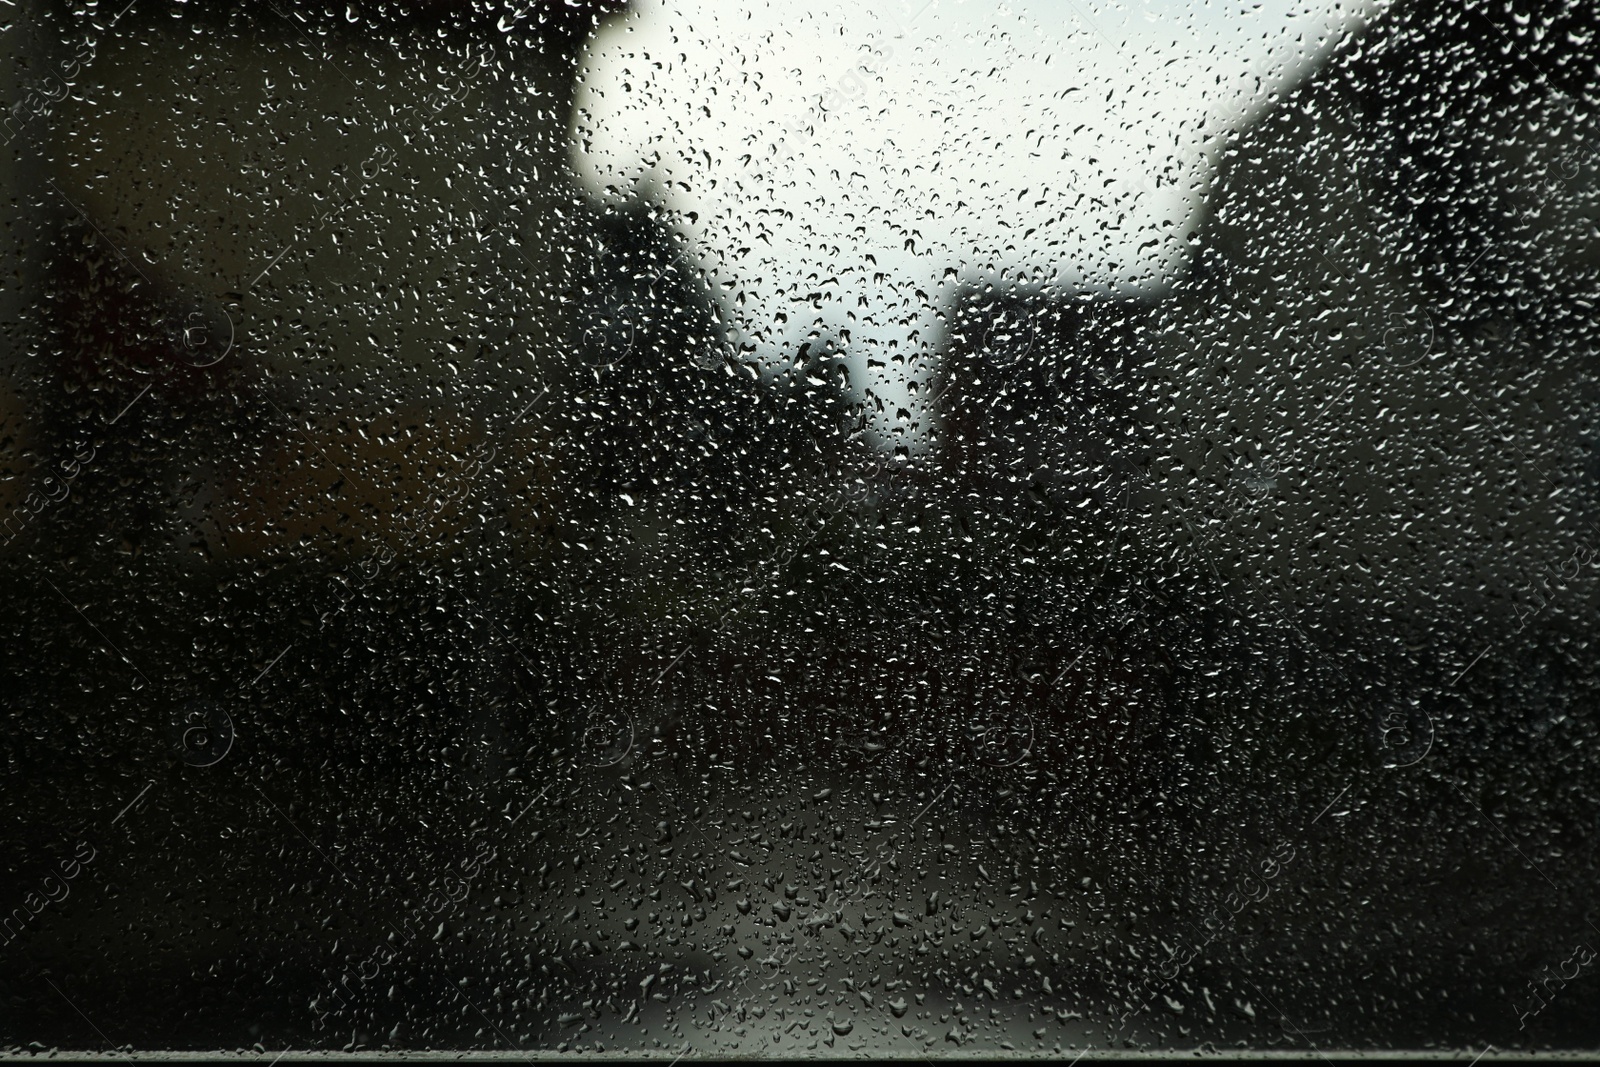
[{"x": 904, "y": 528}]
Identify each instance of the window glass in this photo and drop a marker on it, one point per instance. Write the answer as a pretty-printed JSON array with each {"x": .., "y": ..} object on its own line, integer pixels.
[{"x": 902, "y": 527}]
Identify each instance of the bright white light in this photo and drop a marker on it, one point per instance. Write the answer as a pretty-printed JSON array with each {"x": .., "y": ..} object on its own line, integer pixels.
[{"x": 843, "y": 169}]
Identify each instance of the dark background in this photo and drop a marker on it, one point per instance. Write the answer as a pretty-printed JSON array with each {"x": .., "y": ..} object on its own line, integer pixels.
[{"x": 727, "y": 732}]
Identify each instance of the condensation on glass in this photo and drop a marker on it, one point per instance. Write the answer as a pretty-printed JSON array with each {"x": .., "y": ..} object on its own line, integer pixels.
[{"x": 900, "y": 527}]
